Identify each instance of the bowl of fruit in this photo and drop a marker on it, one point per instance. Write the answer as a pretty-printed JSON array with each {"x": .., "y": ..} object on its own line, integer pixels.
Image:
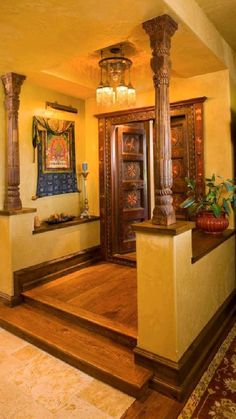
[{"x": 59, "y": 218}]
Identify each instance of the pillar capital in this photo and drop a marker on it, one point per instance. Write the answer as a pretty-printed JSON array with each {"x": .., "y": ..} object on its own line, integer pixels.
[{"x": 12, "y": 83}]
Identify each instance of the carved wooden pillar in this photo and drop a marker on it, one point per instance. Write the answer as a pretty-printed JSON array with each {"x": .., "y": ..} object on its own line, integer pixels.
[
  {"x": 160, "y": 31},
  {"x": 12, "y": 84}
]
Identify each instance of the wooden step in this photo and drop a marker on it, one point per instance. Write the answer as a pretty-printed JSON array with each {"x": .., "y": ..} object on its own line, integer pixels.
[
  {"x": 96, "y": 355},
  {"x": 77, "y": 315}
]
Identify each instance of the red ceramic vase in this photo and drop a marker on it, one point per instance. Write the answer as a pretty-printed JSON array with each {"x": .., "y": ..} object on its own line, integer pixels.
[{"x": 207, "y": 222}]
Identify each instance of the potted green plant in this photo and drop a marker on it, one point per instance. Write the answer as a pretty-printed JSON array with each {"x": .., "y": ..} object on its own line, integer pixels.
[{"x": 213, "y": 208}]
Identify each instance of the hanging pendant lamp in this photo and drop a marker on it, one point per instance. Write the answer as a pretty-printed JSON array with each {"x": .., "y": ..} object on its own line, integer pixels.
[{"x": 113, "y": 88}]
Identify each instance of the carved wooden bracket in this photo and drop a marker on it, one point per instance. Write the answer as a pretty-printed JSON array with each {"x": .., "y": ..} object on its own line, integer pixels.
[
  {"x": 160, "y": 31},
  {"x": 12, "y": 85}
]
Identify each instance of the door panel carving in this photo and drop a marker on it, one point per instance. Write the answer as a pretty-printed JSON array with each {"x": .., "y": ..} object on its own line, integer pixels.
[{"x": 131, "y": 184}]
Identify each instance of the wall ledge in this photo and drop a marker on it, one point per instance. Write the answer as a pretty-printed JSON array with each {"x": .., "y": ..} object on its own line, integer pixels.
[
  {"x": 17, "y": 212},
  {"x": 76, "y": 221},
  {"x": 204, "y": 243},
  {"x": 171, "y": 230}
]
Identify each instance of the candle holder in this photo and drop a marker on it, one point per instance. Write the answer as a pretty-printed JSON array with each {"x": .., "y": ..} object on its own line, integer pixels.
[{"x": 85, "y": 210}]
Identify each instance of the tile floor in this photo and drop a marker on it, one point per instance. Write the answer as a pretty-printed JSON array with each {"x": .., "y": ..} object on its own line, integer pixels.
[{"x": 34, "y": 384}]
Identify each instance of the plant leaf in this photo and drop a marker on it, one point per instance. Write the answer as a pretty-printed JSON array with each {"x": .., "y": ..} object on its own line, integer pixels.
[
  {"x": 191, "y": 183},
  {"x": 210, "y": 196},
  {"x": 229, "y": 187},
  {"x": 226, "y": 206},
  {"x": 210, "y": 185},
  {"x": 216, "y": 210},
  {"x": 187, "y": 203}
]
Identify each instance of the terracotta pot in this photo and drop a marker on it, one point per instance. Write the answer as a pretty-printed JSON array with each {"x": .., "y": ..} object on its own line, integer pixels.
[{"x": 207, "y": 222}]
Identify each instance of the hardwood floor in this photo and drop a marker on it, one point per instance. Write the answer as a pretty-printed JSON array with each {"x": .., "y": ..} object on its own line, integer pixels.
[
  {"x": 154, "y": 405},
  {"x": 106, "y": 290}
]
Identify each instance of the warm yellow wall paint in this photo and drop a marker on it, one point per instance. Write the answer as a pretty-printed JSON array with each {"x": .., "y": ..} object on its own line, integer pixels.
[
  {"x": 32, "y": 102},
  {"x": 191, "y": 14},
  {"x": 19, "y": 248},
  {"x": 176, "y": 298},
  {"x": 28, "y": 249},
  {"x": 202, "y": 287},
  {"x": 91, "y": 153},
  {"x": 6, "y": 283},
  {"x": 157, "y": 330}
]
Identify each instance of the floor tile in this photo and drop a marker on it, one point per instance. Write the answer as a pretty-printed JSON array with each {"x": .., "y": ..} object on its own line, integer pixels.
[
  {"x": 36, "y": 385},
  {"x": 80, "y": 409},
  {"x": 106, "y": 398}
]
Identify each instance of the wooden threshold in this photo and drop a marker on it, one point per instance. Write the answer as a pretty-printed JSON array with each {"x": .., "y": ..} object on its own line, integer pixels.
[{"x": 94, "y": 354}]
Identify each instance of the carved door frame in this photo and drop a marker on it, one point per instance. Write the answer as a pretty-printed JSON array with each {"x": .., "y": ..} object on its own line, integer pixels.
[{"x": 192, "y": 109}]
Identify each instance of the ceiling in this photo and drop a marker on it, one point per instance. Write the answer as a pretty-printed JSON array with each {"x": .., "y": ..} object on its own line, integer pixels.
[
  {"x": 222, "y": 13},
  {"x": 54, "y": 42}
]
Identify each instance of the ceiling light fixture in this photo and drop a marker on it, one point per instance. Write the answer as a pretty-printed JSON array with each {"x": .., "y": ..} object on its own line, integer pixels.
[{"x": 113, "y": 88}]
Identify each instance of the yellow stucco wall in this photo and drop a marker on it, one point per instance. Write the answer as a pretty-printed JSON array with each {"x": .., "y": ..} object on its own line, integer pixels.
[
  {"x": 32, "y": 102},
  {"x": 202, "y": 287},
  {"x": 176, "y": 298},
  {"x": 191, "y": 15},
  {"x": 6, "y": 283},
  {"x": 157, "y": 329},
  {"x": 19, "y": 248}
]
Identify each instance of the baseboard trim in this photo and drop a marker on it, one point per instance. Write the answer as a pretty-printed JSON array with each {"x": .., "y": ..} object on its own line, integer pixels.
[
  {"x": 32, "y": 276},
  {"x": 9, "y": 300},
  {"x": 177, "y": 379}
]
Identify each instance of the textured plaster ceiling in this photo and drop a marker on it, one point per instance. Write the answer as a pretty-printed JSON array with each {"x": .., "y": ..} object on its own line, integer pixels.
[
  {"x": 222, "y": 13},
  {"x": 54, "y": 42}
]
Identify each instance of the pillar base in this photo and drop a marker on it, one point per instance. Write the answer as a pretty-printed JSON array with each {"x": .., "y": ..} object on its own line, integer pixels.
[{"x": 164, "y": 220}]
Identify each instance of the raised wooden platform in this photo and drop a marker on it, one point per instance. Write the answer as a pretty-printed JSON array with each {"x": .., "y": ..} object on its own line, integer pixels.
[
  {"x": 88, "y": 319},
  {"x": 103, "y": 298}
]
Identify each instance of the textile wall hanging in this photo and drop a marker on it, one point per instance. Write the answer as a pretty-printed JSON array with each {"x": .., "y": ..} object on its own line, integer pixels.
[{"x": 55, "y": 142}]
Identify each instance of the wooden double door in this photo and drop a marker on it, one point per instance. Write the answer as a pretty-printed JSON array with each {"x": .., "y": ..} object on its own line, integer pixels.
[{"x": 126, "y": 168}]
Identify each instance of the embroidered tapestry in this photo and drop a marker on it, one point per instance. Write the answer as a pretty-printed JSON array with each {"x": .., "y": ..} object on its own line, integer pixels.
[{"x": 55, "y": 143}]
